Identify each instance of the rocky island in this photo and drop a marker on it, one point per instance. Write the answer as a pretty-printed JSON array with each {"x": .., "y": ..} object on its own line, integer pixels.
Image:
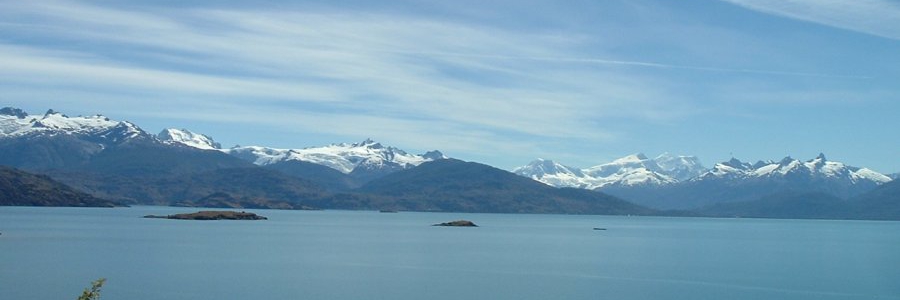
[
  {"x": 459, "y": 223},
  {"x": 212, "y": 215}
]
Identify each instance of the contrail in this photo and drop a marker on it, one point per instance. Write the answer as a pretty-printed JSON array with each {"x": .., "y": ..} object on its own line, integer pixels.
[
  {"x": 633, "y": 63},
  {"x": 879, "y": 18}
]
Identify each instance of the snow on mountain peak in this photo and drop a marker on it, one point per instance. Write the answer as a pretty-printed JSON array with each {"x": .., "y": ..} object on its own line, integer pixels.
[
  {"x": 188, "y": 138},
  {"x": 736, "y": 163},
  {"x": 342, "y": 157},
  {"x": 544, "y": 167},
  {"x": 788, "y": 160},
  {"x": 634, "y": 158},
  {"x": 15, "y": 122},
  {"x": 554, "y": 174},
  {"x": 635, "y": 169},
  {"x": 818, "y": 167},
  {"x": 13, "y": 112},
  {"x": 680, "y": 167},
  {"x": 434, "y": 155},
  {"x": 869, "y": 175}
]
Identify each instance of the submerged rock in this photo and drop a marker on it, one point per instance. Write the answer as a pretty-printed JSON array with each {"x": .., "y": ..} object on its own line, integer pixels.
[
  {"x": 458, "y": 223},
  {"x": 212, "y": 215}
]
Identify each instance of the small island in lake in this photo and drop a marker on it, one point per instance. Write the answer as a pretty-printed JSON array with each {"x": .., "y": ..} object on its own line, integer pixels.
[
  {"x": 459, "y": 223},
  {"x": 212, "y": 215}
]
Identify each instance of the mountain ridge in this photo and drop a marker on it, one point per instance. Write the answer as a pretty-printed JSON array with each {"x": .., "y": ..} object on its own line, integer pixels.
[{"x": 119, "y": 160}]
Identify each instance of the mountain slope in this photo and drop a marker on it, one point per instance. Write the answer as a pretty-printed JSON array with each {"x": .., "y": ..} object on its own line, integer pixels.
[
  {"x": 453, "y": 185},
  {"x": 882, "y": 203},
  {"x": 785, "y": 205},
  {"x": 18, "y": 188},
  {"x": 55, "y": 140},
  {"x": 323, "y": 176},
  {"x": 266, "y": 188}
]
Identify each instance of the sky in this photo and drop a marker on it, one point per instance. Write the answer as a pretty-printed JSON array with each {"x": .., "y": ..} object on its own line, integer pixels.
[{"x": 496, "y": 82}]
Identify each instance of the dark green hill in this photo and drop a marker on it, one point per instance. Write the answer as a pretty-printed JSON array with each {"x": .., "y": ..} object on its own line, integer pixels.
[
  {"x": 18, "y": 188},
  {"x": 454, "y": 185}
]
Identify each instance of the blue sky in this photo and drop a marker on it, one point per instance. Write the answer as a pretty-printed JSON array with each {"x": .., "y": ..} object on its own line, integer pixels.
[{"x": 502, "y": 83}]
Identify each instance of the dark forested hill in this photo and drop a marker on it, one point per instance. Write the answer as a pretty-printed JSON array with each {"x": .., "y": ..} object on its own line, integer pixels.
[
  {"x": 454, "y": 185},
  {"x": 18, "y": 188},
  {"x": 326, "y": 177}
]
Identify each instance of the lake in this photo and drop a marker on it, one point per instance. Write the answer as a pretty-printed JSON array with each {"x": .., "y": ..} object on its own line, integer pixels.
[{"x": 54, "y": 253}]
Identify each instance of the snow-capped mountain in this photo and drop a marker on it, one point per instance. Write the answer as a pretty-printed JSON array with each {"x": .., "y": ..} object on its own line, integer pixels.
[
  {"x": 631, "y": 170},
  {"x": 679, "y": 167},
  {"x": 343, "y": 157},
  {"x": 635, "y": 169},
  {"x": 680, "y": 182},
  {"x": 346, "y": 158},
  {"x": 54, "y": 142},
  {"x": 15, "y": 123},
  {"x": 818, "y": 168},
  {"x": 188, "y": 138},
  {"x": 555, "y": 174}
]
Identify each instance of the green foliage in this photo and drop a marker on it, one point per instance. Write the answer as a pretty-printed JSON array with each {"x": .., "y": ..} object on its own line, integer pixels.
[{"x": 93, "y": 293}]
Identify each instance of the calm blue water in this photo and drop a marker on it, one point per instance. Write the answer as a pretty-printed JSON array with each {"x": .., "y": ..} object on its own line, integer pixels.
[{"x": 54, "y": 253}]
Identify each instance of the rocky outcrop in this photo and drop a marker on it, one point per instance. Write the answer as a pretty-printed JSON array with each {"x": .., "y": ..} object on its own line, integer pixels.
[
  {"x": 459, "y": 223},
  {"x": 212, "y": 215}
]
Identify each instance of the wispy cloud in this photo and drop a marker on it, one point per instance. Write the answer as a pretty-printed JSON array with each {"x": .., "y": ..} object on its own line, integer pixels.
[
  {"x": 468, "y": 87},
  {"x": 646, "y": 64},
  {"x": 390, "y": 67},
  {"x": 875, "y": 17}
]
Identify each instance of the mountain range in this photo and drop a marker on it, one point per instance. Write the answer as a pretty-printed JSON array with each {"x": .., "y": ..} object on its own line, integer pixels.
[
  {"x": 352, "y": 164},
  {"x": 118, "y": 160},
  {"x": 680, "y": 182}
]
